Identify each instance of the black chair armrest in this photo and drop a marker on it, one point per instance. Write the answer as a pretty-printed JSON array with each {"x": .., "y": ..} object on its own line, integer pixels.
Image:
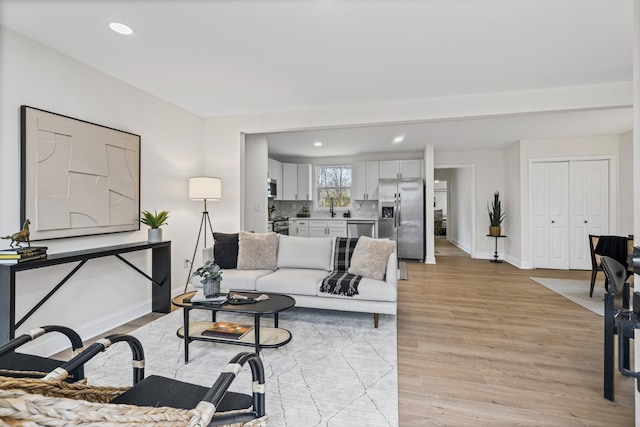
[
  {"x": 74, "y": 338},
  {"x": 100, "y": 345},
  {"x": 217, "y": 391}
]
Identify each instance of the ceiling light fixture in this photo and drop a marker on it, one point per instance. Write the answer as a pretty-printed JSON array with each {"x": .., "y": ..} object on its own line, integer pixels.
[
  {"x": 318, "y": 144},
  {"x": 398, "y": 139},
  {"x": 121, "y": 28}
]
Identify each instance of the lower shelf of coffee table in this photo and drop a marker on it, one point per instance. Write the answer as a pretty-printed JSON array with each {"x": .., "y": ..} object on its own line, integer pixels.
[{"x": 269, "y": 337}]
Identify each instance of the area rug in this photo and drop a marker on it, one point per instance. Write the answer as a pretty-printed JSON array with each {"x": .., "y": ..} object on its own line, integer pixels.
[
  {"x": 577, "y": 291},
  {"x": 337, "y": 370}
]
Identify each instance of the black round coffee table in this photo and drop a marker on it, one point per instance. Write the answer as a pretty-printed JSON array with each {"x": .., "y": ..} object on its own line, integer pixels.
[{"x": 260, "y": 337}]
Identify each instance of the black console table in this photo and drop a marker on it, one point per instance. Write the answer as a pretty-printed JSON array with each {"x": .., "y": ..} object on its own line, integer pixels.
[
  {"x": 160, "y": 277},
  {"x": 495, "y": 254}
]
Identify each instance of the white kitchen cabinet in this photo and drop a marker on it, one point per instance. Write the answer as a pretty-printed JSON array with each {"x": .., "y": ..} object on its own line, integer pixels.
[
  {"x": 289, "y": 181},
  {"x": 275, "y": 172},
  {"x": 296, "y": 181},
  {"x": 411, "y": 168},
  {"x": 365, "y": 177},
  {"x": 301, "y": 228},
  {"x": 408, "y": 168},
  {"x": 337, "y": 228},
  {"x": 304, "y": 181},
  {"x": 322, "y": 228}
]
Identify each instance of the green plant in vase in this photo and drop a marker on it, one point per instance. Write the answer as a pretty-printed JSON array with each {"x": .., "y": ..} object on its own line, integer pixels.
[
  {"x": 154, "y": 220},
  {"x": 496, "y": 216},
  {"x": 210, "y": 276}
]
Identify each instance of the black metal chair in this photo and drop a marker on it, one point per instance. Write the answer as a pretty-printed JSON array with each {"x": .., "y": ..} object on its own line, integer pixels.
[
  {"x": 596, "y": 245},
  {"x": 157, "y": 399},
  {"x": 616, "y": 310},
  {"x": 14, "y": 364}
]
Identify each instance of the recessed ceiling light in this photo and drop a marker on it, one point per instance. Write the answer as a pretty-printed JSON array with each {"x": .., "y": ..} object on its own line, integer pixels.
[
  {"x": 436, "y": 181},
  {"x": 318, "y": 144},
  {"x": 398, "y": 139},
  {"x": 121, "y": 28}
]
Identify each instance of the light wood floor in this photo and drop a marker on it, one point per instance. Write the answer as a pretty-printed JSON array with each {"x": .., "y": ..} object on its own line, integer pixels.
[{"x": 480, "y": 344}]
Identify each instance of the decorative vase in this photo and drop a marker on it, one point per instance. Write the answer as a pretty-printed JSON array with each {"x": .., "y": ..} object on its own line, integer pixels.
[
  {"x": 211, "y": 287},
  {"x": 154, "y": 235},
  {"x": 494, "y": 230}
]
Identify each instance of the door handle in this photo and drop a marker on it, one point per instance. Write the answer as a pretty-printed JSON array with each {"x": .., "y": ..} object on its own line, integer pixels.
[
  {"x": 586, "y": 222},
  {"x": 553, "y": 222}
]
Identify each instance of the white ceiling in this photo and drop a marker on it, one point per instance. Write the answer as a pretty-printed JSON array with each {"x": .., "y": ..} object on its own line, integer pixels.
[{"x": 229, "y": 57}]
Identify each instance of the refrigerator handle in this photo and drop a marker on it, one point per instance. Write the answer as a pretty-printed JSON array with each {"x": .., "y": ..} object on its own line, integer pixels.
[
  {"x": 398, "y": 215},
  {"x": 395, "y": 209}
]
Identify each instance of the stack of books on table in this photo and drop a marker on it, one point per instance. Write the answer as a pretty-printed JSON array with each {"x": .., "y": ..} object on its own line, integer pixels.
[
  {"x": 16, "y": 255},
  {"x": 227, "y": 330}
]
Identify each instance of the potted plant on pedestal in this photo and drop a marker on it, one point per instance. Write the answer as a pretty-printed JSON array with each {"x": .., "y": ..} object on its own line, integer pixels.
[
  {"x": 154, "y": 221},
  {"x": 495, "y": 215},
  {"x": 211, "y": 276}
]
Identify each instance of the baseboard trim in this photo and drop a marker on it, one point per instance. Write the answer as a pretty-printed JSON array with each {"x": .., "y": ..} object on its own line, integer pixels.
[{"x": 54, "y": 343}]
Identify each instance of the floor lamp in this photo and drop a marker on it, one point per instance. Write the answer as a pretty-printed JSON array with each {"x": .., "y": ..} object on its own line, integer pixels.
[{"x": 203, "y": 188}]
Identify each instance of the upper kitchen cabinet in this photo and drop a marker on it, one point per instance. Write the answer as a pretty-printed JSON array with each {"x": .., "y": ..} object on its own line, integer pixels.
[
  {"x": 407, "y": 168},
  {"x": 365, "y": 177},
  {"x": 275, "y": 172},
  {"x": 296, "y": 181},
  {"x": 289, "y": 181},
  {"x": 304, "y": 181}
]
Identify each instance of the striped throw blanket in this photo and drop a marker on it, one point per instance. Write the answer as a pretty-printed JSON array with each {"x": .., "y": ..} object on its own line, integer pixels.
[{"x": 340, "y": 282}]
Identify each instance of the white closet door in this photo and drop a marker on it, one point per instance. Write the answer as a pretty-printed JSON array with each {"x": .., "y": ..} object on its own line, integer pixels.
[
  {"x": 550, "y": 214},
  {"x": 589, "y": 207}
]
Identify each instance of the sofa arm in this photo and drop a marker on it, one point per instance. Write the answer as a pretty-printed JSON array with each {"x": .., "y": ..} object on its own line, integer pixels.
[{"x": 391, "y": 276}]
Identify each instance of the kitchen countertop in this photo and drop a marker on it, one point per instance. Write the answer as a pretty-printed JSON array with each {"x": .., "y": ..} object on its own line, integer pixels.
[{"x": 337, "y": 218}]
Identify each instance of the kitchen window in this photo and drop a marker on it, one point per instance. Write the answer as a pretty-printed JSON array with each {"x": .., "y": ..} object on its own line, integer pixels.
[{"x": 333, "y": 183}]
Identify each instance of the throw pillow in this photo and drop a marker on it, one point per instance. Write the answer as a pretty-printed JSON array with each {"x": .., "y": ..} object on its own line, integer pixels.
[
  {"x": 225, "y": 250},
  {"x": 305, "y": 252},
  {"x": 257, "y": 251},
  {"x": 370, "y": 257}
]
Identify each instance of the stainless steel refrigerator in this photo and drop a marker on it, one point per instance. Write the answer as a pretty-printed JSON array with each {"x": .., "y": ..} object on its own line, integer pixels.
[{"x": 401, "y": 215}]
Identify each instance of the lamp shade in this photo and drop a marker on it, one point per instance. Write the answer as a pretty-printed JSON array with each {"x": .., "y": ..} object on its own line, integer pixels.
[{"x": 205, "y": 188}]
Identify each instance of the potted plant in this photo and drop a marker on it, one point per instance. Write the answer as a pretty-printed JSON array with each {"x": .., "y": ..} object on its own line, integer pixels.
[
  {"x": 154, "y": 221},
  {"x": 211, "y": 276},
  {"x": 495, "y": 215}
]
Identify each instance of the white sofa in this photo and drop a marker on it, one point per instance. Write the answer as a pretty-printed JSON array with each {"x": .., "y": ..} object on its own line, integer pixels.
[{"x": 302, "y": 264}]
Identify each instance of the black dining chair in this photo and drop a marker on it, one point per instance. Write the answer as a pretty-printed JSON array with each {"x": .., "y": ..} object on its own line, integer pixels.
[{"x": 616, "y": 310}]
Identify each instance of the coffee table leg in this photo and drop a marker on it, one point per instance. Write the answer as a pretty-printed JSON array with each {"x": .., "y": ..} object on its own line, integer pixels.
[
  {"x": 256, "y": 331},
  {"x": 275, "y": 320},
  {"x": 185, "y": 330}
]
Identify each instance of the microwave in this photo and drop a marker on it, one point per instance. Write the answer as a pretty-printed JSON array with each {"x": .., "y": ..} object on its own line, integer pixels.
[{"x": 272, "y": 188}]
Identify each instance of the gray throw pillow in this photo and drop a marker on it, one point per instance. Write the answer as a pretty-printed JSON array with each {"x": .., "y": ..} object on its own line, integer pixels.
[
  {"x": 257, "y": 251},
  {"x": 370, "y": 257}
]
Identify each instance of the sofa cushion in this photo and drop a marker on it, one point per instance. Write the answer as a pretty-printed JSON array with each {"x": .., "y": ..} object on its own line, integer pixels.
[
  {"x": 370, "y": 257},
  {"x": 225, "y": 249},
  {"x": 305, "y": 252},
  {"x": 291, "y": 281},
  {"x": 241, "y": 280},
  {"x": 257, "y": 251}
]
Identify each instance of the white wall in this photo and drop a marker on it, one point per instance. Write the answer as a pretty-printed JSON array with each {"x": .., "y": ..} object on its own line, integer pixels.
[
  {"x": 625, "y": 185},
  {"x": 255, "y": 178},
  {"x": 104, "y": 292},
  {"x": 513, "y": 199},
  {"x": 489, "y": 177},
  {"x": 558, "y": 149}
]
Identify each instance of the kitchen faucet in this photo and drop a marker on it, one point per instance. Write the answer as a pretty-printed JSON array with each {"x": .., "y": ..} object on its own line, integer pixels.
[{"x": 331, "y": 210}]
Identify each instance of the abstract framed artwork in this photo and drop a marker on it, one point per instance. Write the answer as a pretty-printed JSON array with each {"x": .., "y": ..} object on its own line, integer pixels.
[{"x": 78, "y": 178}]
